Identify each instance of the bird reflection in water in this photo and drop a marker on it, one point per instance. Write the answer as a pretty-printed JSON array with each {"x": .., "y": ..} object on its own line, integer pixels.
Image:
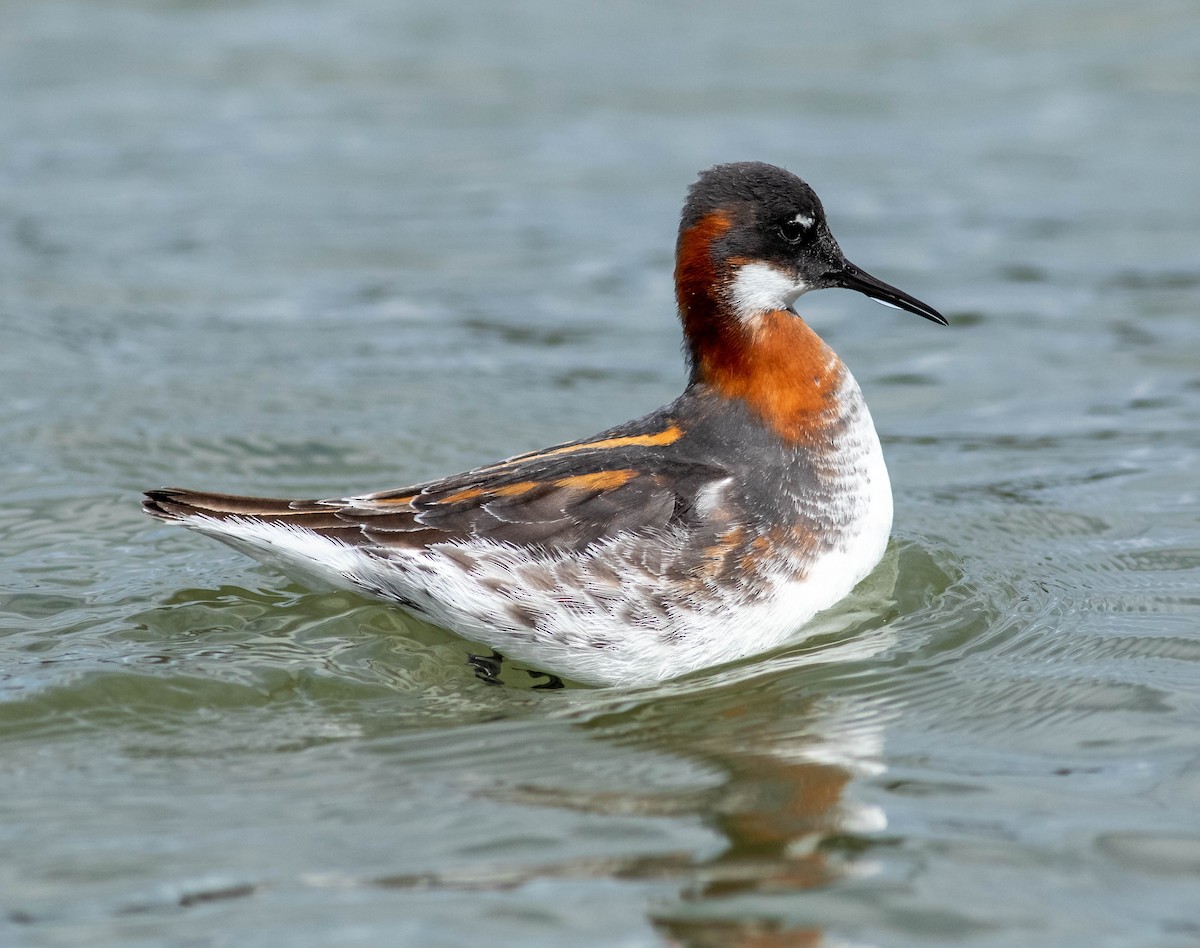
[{"x": 784, "y": 755}]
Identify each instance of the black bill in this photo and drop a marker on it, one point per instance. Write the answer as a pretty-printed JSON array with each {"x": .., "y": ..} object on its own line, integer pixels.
[{"x": 852, "y": 278}]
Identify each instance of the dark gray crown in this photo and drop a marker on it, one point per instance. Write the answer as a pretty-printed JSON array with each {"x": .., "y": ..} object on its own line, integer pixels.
[{"x": 773, "y": 191}]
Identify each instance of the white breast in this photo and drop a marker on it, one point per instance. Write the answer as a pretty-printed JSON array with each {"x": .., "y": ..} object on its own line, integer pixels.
[{"x": 863, "y": 502}]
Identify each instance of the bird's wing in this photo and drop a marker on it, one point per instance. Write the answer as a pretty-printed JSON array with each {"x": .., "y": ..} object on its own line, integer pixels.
[{"x": 566, "y": 497}]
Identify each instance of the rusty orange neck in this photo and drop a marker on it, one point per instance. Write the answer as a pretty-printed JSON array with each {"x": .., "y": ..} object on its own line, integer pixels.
[
  {"x": 782, "y": 370},
  {"x": 772, "y": 361}
]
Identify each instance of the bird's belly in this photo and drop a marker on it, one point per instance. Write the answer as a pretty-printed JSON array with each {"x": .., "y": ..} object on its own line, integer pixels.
[{"x": 636, "y": 609}]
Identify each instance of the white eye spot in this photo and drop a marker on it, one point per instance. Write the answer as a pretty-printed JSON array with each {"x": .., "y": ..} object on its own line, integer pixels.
[
  {"x": 795, "y": 229},
  {"x": 760, "y": 288}
]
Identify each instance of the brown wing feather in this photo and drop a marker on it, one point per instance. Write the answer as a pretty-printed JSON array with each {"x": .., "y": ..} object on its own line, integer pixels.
[
  {"x": 565, "y": 497},
  {"x": 558, "y": 512}
]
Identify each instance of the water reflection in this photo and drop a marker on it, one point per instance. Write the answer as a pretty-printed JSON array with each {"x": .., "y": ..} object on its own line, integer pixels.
[
  {"x": 754, "y": 767},
  {"x": 782, "y": 752},
  {"x": 788, "y": 754}
]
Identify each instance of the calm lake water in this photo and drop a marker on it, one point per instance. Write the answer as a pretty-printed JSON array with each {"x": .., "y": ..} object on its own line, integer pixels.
[{"x": 323, "y": 247}]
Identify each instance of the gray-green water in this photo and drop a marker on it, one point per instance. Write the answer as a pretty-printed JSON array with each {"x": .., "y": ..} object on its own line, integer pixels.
[{"x": 317, "y": 247}]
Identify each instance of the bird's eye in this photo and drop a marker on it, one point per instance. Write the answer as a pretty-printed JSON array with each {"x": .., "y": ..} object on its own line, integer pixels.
[{"x": 795, "y": 229}]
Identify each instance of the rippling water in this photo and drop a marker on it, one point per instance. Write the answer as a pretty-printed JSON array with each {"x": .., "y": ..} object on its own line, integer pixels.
[{"x": 318, "y": 248}]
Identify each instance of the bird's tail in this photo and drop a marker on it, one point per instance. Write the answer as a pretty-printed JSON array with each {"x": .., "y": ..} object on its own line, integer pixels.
[{"x": 179, "y": 505}]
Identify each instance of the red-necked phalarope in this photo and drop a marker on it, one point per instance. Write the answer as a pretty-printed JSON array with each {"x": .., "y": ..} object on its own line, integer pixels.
[{"x": 710, "y": 529}]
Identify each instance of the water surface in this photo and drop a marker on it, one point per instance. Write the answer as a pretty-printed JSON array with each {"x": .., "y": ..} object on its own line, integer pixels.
[{"x": 317, "y": 248}]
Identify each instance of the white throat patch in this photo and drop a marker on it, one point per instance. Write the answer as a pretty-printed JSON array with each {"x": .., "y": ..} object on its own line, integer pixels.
[{"x": 760, "y": 288}]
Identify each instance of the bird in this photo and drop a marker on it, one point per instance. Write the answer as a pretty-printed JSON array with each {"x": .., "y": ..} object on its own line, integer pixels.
[{"x": 708, "y": 530}]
